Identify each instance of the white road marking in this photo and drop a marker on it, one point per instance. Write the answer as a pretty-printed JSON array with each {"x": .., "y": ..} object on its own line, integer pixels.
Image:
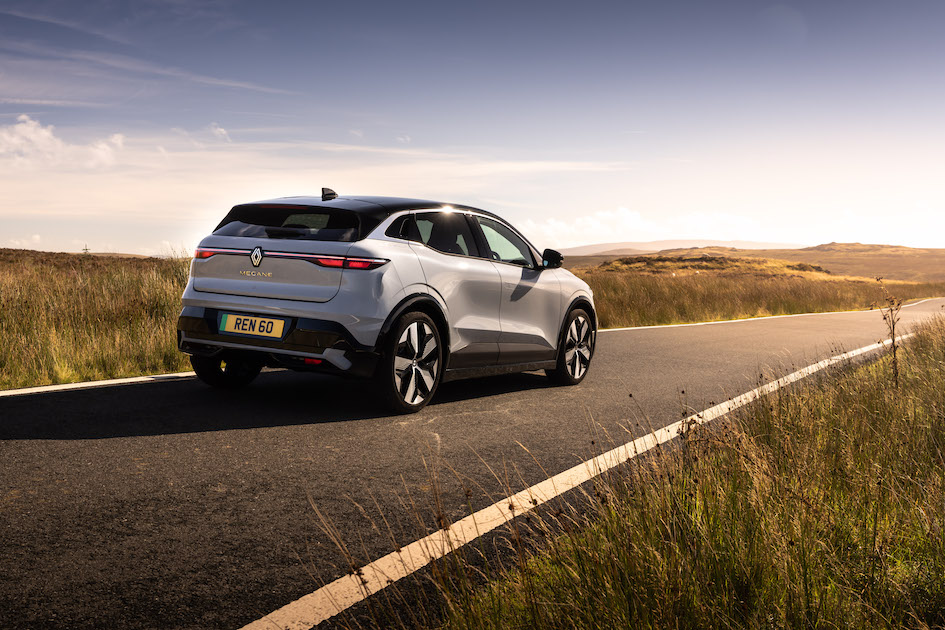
[
  {"x": 347, "y": 591},
  {"x": 181, "y": 375},
  {"x": 156, "y": 378},
  {"x": 753, "y": 319}
]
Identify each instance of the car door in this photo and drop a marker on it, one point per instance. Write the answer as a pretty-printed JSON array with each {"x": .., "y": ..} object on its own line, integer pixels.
[
  {"x": 466, "y": 282},
  {"x": 531, "y": 303}
]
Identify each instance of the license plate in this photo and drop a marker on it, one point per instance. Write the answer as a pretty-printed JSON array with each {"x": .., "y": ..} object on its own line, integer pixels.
[{"x": 255, "y": 326}]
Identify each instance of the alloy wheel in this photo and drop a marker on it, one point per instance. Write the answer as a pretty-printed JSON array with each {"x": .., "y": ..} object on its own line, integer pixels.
[
  {"x": 416, "y": 363},
  {"x": 577, "y": 348}
]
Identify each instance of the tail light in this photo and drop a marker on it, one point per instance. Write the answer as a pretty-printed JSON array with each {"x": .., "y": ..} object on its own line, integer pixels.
[
  {"x": 207, "y": 252},
  {"x": 339, "y": 262},
  {"x": 364, "y": 263},
  {"x": 322, "y": 260}
]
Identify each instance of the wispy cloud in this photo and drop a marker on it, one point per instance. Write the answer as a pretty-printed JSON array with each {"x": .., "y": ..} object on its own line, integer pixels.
[
  {"x": 98, "y": 177},
  {"x": 48, "y": 60},
  {"x": 131, "y": 64},
  {"x": 48, "y": 102},
  {"x": 65, "y": 23},
  {"x": 506, "y": 165},
  {"x": 25, "y": 243},
  {"x": 219, "y": 132}
]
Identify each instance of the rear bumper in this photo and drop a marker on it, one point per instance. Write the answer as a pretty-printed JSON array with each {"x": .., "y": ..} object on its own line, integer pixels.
[{"x": 339, "y": 352}]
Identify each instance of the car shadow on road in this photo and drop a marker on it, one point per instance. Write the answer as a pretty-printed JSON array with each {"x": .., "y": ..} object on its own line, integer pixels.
[{"x": 276, "y": 399}]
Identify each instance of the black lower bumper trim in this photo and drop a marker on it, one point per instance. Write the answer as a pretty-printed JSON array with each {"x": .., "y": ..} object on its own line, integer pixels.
[{"x": 198, "y": 333}]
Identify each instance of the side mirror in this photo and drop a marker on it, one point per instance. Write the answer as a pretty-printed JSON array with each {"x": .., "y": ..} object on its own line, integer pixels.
[{"x": 550, "y": 259}]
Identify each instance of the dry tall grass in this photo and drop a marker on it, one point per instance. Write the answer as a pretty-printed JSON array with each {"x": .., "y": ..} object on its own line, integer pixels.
[
  {"x": 818, "y": 507},
  {"x": 645, "y": 291},
  {"x": 67, "y": 318}
]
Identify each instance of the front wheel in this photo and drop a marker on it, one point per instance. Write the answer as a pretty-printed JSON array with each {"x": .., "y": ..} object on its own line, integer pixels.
[
  {"x": 225, "y": 373},
  {"x": 409, "y": 371},
  {"x": 575, "y": 350}
]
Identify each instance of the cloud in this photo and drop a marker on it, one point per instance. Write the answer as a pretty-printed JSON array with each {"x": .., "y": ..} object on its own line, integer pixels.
[
  {"x": 179, "y": 186},
  {"x": 139, "y": 66},
  {"x": 609, "y": 225},
  {"x": 46, "y": 66},
  {"x": 184, "y": 134},
  {"x": 25, "y": 243},
  {"x": 357, "y": 133},
  {"x": 403, "y": 139},
  {"x": 28, "y": 144},
  {"x": 47, "y": 102},
  {"x": 58, "y": 21},
  {"x": 626, "y": 225},
  {"x": 219, "y": 132}
]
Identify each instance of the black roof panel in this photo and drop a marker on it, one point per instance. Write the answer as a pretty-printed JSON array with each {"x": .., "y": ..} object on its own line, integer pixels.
[{"x": 376, "y": 207}]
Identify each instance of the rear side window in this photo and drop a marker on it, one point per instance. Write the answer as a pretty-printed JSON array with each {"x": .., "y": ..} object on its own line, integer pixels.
[
  {"x": 306, "y": 223},
  {"x": 446, "y": 232},
  {"x": 398, "y": 229}
]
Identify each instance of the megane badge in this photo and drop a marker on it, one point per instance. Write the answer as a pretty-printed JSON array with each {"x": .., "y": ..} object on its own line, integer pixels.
[{"x": 256, "y": 257}]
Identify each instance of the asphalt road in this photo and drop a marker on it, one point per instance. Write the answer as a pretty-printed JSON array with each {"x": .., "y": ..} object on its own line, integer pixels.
[{"x": 171, "y": 505}]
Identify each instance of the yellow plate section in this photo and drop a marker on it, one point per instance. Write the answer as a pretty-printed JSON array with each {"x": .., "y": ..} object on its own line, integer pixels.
[{"x": 256, "y": 326}]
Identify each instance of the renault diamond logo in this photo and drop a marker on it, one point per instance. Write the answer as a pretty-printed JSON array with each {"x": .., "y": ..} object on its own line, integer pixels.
[{"x": 256, "y": 257}]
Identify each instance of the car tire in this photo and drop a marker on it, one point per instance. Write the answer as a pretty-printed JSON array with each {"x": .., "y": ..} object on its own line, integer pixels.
[
  {"x": 411, "y": 365},
  {"x": 225, "y": 373},
  {"x": 575, "y": 349}
]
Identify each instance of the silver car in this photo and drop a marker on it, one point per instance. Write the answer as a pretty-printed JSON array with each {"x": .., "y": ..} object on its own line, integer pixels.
[{"x": 410, "y": 293}]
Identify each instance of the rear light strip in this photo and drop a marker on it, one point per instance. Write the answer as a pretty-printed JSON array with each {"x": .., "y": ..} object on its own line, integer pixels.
[
  {"x": 207, "y": 252},
  {"x": 323, "y": 260}
]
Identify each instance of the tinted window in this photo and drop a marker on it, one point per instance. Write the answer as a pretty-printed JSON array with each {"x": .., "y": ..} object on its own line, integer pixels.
[
  {"x": 446, "y": 232},
  {"x": 294, "y": 222},
  {"x": 398, "y": 229},
  {"x": 506, "y": 245}
]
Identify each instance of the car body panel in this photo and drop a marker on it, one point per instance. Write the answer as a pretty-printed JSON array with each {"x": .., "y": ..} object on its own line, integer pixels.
[
  {"x": 470, "y": 291},
  {"x": 498, "y": 316},
  {"x": 530, "y": 314}
]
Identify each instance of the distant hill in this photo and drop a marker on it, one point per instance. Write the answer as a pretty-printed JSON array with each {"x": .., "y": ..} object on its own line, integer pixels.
[
  {"x": 893, "y": 262},
  {"x": 634, "y": 249}
]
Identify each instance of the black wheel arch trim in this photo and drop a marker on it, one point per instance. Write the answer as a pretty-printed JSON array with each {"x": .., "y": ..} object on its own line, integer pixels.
[
  {"x": 410, "y": 303},
  {"x": 582, "y": 302}
]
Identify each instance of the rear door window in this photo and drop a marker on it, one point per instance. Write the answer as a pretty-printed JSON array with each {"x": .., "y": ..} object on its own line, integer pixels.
[
  {"x": 306, "y": 223},
  {"x": 446, "y": 232}
]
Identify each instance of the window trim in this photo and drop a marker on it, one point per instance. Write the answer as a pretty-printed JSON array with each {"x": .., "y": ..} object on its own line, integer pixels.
[
  {"x": 485, "y": 242},
  {"x": 475, "y": 243},
  {"x": 478, "y": 235}
]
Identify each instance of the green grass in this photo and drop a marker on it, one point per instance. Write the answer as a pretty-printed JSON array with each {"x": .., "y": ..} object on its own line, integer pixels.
[
  {"x": 822, "y": 506},
  {"x": 68, "y": 318}
]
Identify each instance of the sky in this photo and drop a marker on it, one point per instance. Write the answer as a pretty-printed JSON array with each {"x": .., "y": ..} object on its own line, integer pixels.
[{"x": 134, "y": 126}]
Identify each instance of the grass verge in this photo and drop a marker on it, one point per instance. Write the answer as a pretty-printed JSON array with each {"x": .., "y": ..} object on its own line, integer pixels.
[
  {"x": 821, "y": 506},
  {"x": 67, "y": 318},
  {"x": 649, "y": 291}
]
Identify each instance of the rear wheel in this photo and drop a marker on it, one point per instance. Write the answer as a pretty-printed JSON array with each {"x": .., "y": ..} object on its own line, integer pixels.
[
  {"x": 225, "y": 373},
  {"x": 409, "y": 372},
  {"x": 575, "y": 351}
]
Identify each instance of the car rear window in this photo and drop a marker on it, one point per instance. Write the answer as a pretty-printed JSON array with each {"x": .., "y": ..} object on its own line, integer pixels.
[{"x": 307, "y": 223}]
